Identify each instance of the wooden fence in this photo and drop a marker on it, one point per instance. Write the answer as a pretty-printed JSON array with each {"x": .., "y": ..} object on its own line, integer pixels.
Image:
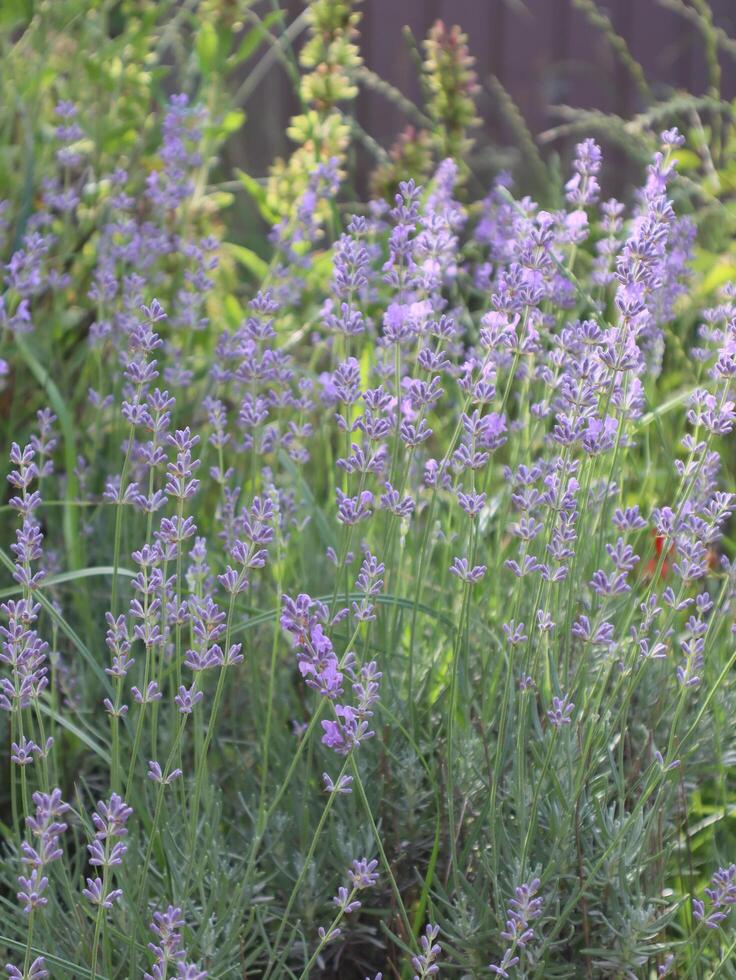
[{"x": 545, "y": 52}]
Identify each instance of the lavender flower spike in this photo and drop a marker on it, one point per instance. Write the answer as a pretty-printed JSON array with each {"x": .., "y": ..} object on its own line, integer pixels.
[{"x": 425, "y": 964}]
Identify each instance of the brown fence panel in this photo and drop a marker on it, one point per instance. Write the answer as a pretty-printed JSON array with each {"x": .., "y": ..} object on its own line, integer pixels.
[{"x": 544, "y": 51}]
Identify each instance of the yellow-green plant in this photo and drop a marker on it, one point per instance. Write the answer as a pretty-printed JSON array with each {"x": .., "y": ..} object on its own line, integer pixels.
[
  {"x": 452, "y": 85},
  {"x": 329, "y": 59}
]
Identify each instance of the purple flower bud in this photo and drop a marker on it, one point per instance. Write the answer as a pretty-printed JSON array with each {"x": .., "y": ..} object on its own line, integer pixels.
[
  {"x": 560, "y": 713},
  {"x": 36, "y": 971},
  {"x": 156, "y": 774},
  {"x": 342, "y": 786},
  {"x": 187, "y": 699},
  {"x": 95, "y": 894}
]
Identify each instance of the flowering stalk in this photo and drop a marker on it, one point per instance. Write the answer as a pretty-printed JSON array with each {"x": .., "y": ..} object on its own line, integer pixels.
[
  {"x": 362, "y": 875},
  {"x": 232, "y": 656}
]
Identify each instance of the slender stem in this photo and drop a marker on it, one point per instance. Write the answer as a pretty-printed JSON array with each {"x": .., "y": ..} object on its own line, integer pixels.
[
  {"x": 100, "y": 915},
  {"x": 269, "y": 709},
  {"x": 303, "y": 873},
  {"x": 198, "y": 782},
  {"x": 327, "y": 936},
  {"x": 115, "y": 718},
  {"x": 379, "y": 845},
  {"x": 29, "y": 943},
  {"x": 532, "y": 821},
  {"x": 119, "y": 523}
]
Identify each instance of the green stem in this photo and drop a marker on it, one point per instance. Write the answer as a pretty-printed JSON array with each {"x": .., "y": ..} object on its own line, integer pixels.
[
  {"x": 100, "y": 917},
  {"x": 303, "y": 873},
  {"x": 327, "y": 937},
  {"x": 379, "y": 845}
]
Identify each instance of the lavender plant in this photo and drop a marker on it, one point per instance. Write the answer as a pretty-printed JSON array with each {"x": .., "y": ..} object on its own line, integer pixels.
[{"x": 407, "y": 560}]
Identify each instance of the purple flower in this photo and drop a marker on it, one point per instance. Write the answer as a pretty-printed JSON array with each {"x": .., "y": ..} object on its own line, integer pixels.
[
  {"x": 97, "y": 895},
  {"x": 362, "y": 873},
  {"x": 36, "y": 971},
  {"x": 353, "y": 510},
  {"x": 426, "y": 963},
  {"x": 629, "y": 519},
  {"x": 344, "y": 902},
  {"x": 342, "y": 786},
  {"x": 583, "y": 189},
  {"x": 188, "y": 971},
  {"x": 318, "y": 664},
  {"x": 664, "y": 969},
  {"x": 186, "y": 699},
  {"x": 151, "y": 694},
  {"x": 31, "y": 891},
  {"x": 391, "y": 500},
  {"x": 167, "y": 948},
  {"x": 524, "y": 908},
  {"x": 346, "y": 732},
  {"x": 721, "y": 896},
  {"x": 169, "y": 187},
  {"x": 560, "y": 712},
  {"x": 156, "y": 774},
  {"x": 110, "y": 818},
  {"x": 461, "y": 568},
  {"x": 22, "y": 753},
  {"x": 46, "y": 829},
  {"x": 514, "y": 633},
  {"x": 672, "y": 137}
]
